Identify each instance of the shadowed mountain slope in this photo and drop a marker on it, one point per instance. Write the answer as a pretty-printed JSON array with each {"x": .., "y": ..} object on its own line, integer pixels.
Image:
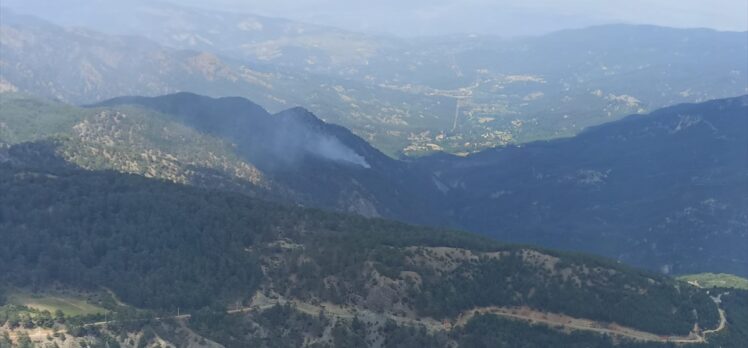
[{"x": 665, "y": 191}]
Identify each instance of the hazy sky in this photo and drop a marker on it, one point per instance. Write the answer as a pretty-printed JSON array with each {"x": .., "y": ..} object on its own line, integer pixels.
[{"x": 501, "y": 17}]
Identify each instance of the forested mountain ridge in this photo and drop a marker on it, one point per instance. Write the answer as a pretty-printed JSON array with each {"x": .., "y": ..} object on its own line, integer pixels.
[
  {"x": 681, "y": 173},
  {"x": 326, "y": 164},
  {"x": 226, "y": 143},
  {"x": 665, "y": 190},
  {"x": 130, "y": 140},
  {"x": 662, "y": 191},
  {"x": 160, "y": 245}
]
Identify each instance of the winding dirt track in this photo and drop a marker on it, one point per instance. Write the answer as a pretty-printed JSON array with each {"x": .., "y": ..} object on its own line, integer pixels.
[
  {"x": 518, "y": 313},
  {"x": 261, "y": 303},
  {"x": 722, "y": 323},
  {"x": 578, "y": 324}
]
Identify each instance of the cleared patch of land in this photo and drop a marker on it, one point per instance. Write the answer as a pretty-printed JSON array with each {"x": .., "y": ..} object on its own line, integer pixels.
[
  {"x": 69, "y": 304},
  {"x": 715, "y": 280}
]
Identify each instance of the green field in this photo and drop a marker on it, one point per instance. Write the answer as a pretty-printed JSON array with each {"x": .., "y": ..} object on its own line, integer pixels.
[
  {"x": 712, "y": 280},
  {"x": 71, "y": 305}
]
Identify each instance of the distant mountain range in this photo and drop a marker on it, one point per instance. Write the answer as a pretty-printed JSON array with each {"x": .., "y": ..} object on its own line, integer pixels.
[
  {"x": 458, "y": 94},
  {"x": 664, "y": 191}
]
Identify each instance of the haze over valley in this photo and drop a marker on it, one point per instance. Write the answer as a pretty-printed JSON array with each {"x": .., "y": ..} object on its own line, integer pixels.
[{"x": 262, "y": 174}]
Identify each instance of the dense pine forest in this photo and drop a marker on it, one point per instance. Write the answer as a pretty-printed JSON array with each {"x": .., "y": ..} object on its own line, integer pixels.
[{"x": 163, "y": 246}]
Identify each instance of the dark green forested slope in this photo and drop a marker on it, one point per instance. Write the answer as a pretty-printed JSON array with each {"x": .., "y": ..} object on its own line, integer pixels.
[
  {"x": 160, "y": 245},
  {"x": 227, "y": 143},
  {"x": 130, "y": 140},
  {"x": 665, "y": 191},
  {"x": 326, "y": 165}
]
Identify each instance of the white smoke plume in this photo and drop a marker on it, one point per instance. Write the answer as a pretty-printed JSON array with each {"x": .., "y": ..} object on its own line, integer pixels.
[{"x": 331, "y": 148}]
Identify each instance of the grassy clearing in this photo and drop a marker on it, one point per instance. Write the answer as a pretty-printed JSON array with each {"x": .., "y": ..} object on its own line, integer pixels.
[
  {"x": 712, "y": 280},
  {"x": 69, "y": 304}
]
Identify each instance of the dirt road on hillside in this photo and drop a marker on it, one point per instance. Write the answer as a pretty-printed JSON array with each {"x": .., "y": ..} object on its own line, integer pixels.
[{"x": 261, "y": 303}]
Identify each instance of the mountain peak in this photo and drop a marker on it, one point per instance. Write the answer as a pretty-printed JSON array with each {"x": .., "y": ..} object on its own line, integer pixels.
[{"x": 300, "y": 114}]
